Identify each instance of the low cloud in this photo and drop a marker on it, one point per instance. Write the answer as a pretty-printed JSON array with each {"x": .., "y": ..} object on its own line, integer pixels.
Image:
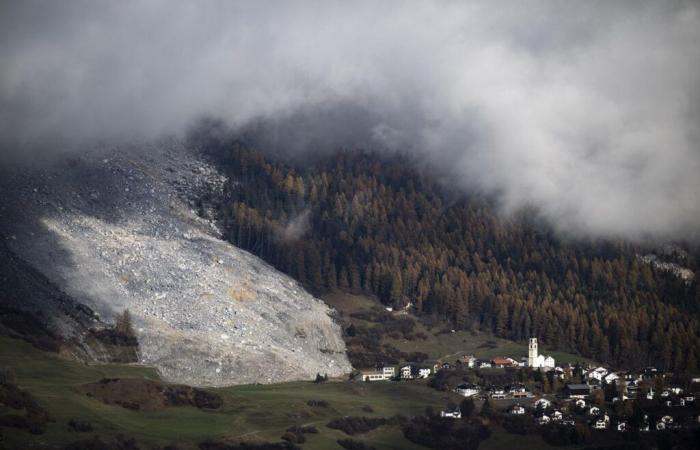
[{"x": 587, "y": 111}]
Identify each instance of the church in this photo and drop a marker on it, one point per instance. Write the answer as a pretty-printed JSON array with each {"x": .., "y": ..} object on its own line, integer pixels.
[{"x": 536, "y": 360}]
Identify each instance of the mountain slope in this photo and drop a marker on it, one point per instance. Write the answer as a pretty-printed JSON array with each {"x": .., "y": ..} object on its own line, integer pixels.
[
  {"x": 131, "y": 228},
  {"x": 368, "y": 223}
]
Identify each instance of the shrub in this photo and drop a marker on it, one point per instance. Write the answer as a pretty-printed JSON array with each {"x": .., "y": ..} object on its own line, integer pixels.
[
  {"x": 82, "y": 426},
  {"x": 318, "y": 403},
  {"x": 444, "y": 434},
  {"x": 349, "y": 444},
  {"x": 356, "y": 425}
]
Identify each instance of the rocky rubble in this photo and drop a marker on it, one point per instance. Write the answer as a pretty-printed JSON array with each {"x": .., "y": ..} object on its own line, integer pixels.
[
  {"x": 677, "y": 270},
  {"x": 136, "y": 228}
]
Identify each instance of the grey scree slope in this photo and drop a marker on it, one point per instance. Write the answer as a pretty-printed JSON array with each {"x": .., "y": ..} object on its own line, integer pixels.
[{"x": 132, "y": 228}]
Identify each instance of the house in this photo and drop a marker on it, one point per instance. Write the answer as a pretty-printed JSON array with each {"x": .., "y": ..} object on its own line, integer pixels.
[
  {"x": 498, "y": 393},
  {"x": 664, "y": 423},
  {"x": 593, "y": 411},
  {"x": 650, "y": 372},
  {"x": 467, "y": 390},
  {"x": 557, "y": 416},
  {"x": 621, "y": 426},
  {"x": 456, "y": 414},
  {"x": 469, "y": 360},
  {"x": 597, "y": 374},
  {"x": 609, "y": 378},
  {"x": 408, "y": 372},
  {"x": 484, "y": 364},
  {"x": 387, "y": 373},
  {"x": 516, "y": 409},
  {"x": 423, "y": 373},
  {"x": 600, "y": 424},
  {"x": 580, "y": 403},
  {"x": 577, "y": 390},
  {"x": 623, "y": 398},
  {"x": 541, "y": 403},
  {"x": 502, "y": 361},
  {"x": 543, "y": 420},
  {"x": 650, "y": 394},
  {"x": 517, "y": 390},
  {"x": 678, "y": 401},
  {"x": 560, "y": 373},
  {"x": 569, "y": 422}
]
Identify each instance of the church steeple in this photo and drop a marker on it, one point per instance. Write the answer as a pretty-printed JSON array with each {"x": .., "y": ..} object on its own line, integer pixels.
[{"x": 532, "y": 353}]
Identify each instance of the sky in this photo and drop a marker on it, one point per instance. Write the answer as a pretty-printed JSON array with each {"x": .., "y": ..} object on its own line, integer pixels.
[{"x": 588, "y": 112}]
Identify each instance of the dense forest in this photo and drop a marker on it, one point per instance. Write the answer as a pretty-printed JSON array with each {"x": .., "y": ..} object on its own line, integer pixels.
[{"x": 365, "y": 223}]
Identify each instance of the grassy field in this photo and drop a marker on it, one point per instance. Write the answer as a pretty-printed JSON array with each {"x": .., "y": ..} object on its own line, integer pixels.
[{"x": 254, "y": 412}]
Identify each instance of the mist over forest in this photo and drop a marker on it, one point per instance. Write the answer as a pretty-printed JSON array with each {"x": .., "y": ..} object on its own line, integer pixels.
[{"x": 587, "y": 112}]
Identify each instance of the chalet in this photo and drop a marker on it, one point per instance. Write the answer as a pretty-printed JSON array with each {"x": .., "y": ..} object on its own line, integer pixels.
[
  {"x": 386, "y": 373},
  {"x": 455, "y": 414},
  {"x": 541, "y": 403},
  {"x": 423, "y": 373},
  {"x": 484, "y": 364},
  {"x": 559, "y": 371},
  {"x": 612, "y": 376},
  {"x": 502, "y": 361},
  {"x": 593, "y": 411},
  {"x": 569, "y": 422},
  {"x": 650, "y": 372},
  {"x": 467, "y": 390},
  {"x": 623, "y": 398},
  {"x": 557, "y": 416},
  {"x": 469, "y": 360},
  {"x": 408, "y": 372},
  {"x": 516, "y": 409},
  {"x": 543, "y": 420},
  {"x": 621, "y": 426},
  {"x": 517, "y": 391},
  {"x": 600, "y": 424},
  {"x": 577, "y": 390},
  {"x": 580, "y": 403},
  {"x": 498, "y": 393},
  {"x": 597, "y": 374}
]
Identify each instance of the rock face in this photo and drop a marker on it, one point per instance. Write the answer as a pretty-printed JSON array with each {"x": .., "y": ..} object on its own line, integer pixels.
[{"x": 134, "y": 228}]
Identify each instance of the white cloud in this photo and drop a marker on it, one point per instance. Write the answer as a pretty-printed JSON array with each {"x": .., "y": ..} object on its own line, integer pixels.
[{"x": 587, "y": 110}]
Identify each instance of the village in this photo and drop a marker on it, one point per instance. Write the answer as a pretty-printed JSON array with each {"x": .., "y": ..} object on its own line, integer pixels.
[{"x": 535, "y": 388}]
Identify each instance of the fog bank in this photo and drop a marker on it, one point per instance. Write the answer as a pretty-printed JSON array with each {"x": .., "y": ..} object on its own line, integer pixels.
[{"x": 588, "y": 111}]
